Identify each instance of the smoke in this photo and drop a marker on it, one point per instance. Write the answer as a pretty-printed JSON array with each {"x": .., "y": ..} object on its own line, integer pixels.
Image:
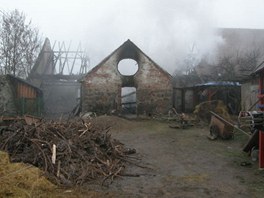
[{"x": 168, "y": 31}]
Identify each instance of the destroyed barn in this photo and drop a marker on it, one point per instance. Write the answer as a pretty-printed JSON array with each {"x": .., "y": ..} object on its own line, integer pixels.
[
  {"x": 99, "y": 90},
  {"x": 101, "y": 87},
  {"x": 57, "y": 74}
]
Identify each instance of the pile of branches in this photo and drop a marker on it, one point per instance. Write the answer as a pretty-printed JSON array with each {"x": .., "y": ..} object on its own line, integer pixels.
[{"x": 69, "y": 152}]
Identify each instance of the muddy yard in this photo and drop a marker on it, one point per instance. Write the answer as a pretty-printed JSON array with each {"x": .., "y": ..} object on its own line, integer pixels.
[
  {"x": 182, "y": 163},
  {"x": 169, "y": 162}
]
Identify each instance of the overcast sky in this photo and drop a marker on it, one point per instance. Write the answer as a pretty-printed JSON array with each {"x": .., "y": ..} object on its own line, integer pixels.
[{"x": 165, "y": 30}]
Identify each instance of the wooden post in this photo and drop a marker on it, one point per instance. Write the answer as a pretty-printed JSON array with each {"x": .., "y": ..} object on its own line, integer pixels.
[
  {"x": 53, "y": 157},
  {"x": 183, "y": 100}
]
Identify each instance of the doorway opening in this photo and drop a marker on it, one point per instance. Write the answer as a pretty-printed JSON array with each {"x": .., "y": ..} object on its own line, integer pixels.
[{"x": 129, "y": 100}]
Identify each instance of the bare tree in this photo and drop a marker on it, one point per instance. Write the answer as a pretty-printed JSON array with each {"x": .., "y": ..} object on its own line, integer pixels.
[
  {"x": 240, "y": 65},
  {"x": 233, "y": 66},
  {"x": 226, "y": 68},
  {"x": 19, "y": 44}
]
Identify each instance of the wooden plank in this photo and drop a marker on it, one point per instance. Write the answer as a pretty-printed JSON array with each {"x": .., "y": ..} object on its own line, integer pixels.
[{"x": 227, "y": 122}]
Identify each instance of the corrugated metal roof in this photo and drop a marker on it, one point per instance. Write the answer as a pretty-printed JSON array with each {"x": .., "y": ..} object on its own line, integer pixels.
[{"x": 220, "y": 83}]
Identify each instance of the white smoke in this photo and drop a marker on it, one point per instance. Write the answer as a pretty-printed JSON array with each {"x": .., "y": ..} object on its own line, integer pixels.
[{"x": 165, "y": 30}]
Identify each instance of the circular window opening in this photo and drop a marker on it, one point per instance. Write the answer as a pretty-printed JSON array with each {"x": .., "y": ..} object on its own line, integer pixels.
[{"x": 128, "y": 67}]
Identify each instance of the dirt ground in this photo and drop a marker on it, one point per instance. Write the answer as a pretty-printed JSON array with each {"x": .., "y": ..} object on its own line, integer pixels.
[{"x": 182, "y": 163}]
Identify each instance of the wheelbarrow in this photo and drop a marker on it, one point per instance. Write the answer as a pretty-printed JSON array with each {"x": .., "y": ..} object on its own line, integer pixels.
[{"x": 220, "y": 127}]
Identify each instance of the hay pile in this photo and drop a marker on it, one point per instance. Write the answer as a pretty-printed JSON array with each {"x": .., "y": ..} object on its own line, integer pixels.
[
  {"x": 202, "y": 111},
  {"x": 22, "y": 180}
]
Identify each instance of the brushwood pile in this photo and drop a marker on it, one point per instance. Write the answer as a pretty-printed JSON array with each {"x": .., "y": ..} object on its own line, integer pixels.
[{"x": 70, "y": 152}]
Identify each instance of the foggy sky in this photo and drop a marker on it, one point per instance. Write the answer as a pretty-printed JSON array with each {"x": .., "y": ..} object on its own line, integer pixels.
[{"x": 165, "y": 30}]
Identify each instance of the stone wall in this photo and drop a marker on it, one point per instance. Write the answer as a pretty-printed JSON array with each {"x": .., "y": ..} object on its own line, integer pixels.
[
  {"x": 7, "y": 100},
  {"x": 101, "y": 88},
  {"x": 154, "y": 88}
]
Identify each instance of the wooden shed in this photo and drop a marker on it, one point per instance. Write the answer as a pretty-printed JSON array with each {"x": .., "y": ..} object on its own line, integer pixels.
[
  {"x": 18, "y": 97},
  {"x": 185, "y": 99}
]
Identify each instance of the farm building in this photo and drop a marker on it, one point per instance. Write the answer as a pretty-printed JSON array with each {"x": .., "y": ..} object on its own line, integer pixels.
[
  {"x": 18, "y": 97},
  {"x": 102, "y": 87}
]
